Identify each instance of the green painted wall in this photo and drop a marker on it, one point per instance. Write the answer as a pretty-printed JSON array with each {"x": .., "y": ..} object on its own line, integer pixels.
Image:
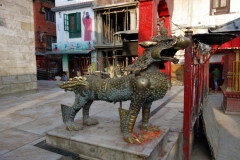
[{"x": 65, "y": 63}]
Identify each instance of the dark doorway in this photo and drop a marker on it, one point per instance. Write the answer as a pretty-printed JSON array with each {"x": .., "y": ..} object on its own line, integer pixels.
[{"x": 211, "y": 68}]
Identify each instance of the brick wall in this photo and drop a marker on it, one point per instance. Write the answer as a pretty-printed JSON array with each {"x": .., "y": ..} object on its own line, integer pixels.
[
  {"x": 17, "y": 48},
  {"x": 41, "y": 25}
]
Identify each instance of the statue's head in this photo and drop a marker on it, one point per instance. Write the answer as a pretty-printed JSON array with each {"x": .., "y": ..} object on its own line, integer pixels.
[{"x": 166, "y": 49}]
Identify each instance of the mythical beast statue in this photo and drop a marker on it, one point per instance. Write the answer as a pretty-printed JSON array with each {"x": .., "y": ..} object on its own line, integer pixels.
[{"x": 144, "y": 85}]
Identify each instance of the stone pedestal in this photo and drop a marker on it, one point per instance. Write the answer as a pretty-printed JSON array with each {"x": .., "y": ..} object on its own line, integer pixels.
[
  {"x": 105, "y": 141},
  {"x": 231, "y": 101}
]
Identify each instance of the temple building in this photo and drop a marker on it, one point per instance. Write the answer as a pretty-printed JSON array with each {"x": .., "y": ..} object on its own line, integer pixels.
[
  {"x": 231, "y": 66},
  {"x": 17, "y": 48}
]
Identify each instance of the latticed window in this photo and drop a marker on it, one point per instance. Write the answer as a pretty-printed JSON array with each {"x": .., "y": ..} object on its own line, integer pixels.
[
  {"x": 72, "y": 24},
  {"x": 219, "y": 7},
  {"x": 49, "y": 41}
]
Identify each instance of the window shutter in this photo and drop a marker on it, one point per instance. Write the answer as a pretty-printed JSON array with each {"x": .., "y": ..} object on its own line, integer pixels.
[
  {"x": 66, "y": 22},
  {"x": 78, "y": 21}
]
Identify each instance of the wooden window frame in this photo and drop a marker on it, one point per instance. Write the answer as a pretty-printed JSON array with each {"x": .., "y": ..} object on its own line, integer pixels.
[
  {"x": 49, "y": 15},
  {"x": 76, "y": 33},
  {"x": 49, "y": 40},
  {"x": 220, "y": 10}
]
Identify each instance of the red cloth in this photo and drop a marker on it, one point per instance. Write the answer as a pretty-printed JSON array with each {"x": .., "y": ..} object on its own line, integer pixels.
[
  {"x": 87, "y": 22},
  {"x": 222, "y": 62}
]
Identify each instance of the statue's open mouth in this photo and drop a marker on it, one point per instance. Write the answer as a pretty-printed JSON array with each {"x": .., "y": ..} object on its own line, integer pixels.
[{"x": 168, "y": 52}]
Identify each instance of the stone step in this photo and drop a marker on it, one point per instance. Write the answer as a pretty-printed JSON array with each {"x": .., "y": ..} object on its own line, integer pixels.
[
  {"x": 172, "y": 150},
  {"x": 105, "y": 141}
]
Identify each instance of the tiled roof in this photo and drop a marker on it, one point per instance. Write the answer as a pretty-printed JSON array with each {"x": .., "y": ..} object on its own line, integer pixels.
[{"x": 232, "y": 26}]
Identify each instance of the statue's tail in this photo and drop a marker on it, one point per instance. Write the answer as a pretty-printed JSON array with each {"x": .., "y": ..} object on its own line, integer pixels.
[{"x": 76, "y": 83}]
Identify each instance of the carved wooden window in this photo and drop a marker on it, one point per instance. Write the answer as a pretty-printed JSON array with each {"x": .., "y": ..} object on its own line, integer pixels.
[{"x": 219, "y": 7}]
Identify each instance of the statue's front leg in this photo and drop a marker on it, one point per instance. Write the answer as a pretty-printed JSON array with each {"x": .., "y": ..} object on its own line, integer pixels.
[
  {"x": 140, "y": 91},
  {"x": 146, "y": 113},
  {"x": 128, "y": 121},
  {"x": 69, "y": 113}
]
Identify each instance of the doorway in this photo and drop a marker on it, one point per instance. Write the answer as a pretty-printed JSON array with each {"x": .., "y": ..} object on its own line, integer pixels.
[{"x": 212, "y": 66}]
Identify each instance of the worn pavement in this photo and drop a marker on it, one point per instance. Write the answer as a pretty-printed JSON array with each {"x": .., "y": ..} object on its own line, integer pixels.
[{"x": 24, "y": 121}]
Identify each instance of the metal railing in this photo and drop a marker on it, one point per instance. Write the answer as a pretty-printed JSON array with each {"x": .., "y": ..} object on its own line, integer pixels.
[{"x": 196, "y": 90}]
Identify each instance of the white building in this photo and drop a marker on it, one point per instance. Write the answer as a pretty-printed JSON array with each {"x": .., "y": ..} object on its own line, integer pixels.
[
  {"x": 202, "y": 14},
  {"x": 75, "y": 32}
]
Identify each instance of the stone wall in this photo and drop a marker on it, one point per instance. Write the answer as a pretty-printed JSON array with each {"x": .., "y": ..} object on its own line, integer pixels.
[{"x": 17, "y": 48}]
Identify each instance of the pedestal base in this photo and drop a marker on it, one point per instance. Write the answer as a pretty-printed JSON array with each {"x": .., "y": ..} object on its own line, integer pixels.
[
  {"x": 105, "y": 141},
  {"x": 231, "y": 102}
]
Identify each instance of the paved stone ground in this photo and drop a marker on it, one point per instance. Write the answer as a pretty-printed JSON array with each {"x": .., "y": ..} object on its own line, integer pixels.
[
  {"x": 229, "y": 134},
  {"x": 229, "y": 131},
  {"x": 24, "y": 120}
]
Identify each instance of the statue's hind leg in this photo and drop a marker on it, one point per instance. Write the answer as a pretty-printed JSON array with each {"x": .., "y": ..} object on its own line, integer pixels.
[
  {"x": 69, "y": 113},
  {"x": 146, "y": 126},
  {"x": 86, "y": 119}
]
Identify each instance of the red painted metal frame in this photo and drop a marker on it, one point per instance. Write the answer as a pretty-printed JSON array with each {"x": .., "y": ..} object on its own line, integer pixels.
[
  {"x": 187, "y": 98},
  {"x": 196, "y": 88}
]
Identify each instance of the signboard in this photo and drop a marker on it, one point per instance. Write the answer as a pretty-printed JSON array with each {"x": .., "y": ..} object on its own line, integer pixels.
[{"x": 72, "y": 46}]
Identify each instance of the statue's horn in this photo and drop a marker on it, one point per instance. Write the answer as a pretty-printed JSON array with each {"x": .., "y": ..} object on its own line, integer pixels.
[{"x": 181, "y": 42}]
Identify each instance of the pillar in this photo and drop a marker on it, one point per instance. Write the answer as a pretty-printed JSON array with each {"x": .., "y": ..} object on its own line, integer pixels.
[
  {"x": 187, "y": 98},
  {"x": 65, "y": 63},
  {"x": 133, "y": 20},
  {"x": 147, "y": 21}
]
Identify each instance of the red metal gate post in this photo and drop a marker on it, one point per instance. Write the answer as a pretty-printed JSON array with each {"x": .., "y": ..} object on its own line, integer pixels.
[{"x": 187, "y": 99}]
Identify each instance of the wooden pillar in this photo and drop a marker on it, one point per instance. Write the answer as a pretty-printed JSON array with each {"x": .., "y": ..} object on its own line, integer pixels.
[{"x": 149, "y": 11}]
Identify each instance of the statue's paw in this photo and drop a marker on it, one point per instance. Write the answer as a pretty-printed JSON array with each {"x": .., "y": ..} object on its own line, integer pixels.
[
  {"x": 73, "y": 126},
  {"x": 148, "y": 127},
  {"x": 133, "y": 139},
  {"x": 90, "y": 121}
]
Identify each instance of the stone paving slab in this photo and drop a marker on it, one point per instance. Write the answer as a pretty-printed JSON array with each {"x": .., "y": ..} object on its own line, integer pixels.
[
  {"x": 13, "y": 120},
  {"x": 12, "y": 139},
  {"x": 42, "y": 125},
  {"x": 29, "y": 152}
]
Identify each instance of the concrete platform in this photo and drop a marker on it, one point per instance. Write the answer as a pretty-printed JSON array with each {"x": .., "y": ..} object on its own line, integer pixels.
[{"x": 105, "y": 141}]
